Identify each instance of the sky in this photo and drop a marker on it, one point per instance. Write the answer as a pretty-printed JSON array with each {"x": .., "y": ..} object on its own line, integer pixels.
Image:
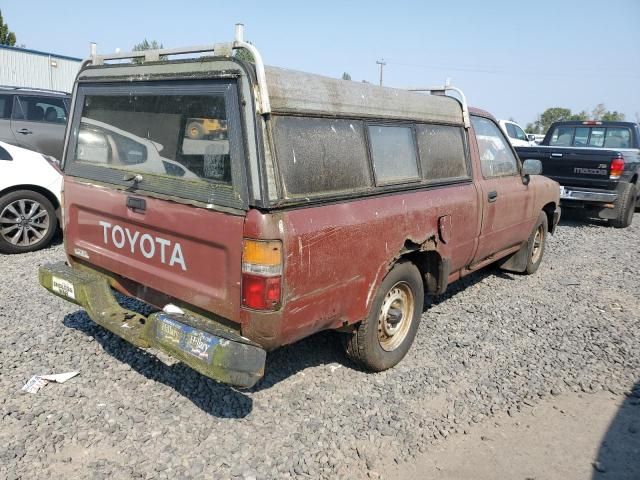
[{"x": 514, "y": 59}]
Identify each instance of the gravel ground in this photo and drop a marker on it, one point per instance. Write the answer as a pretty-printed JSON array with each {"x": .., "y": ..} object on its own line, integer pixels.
[{"x": 494, "y": 343}]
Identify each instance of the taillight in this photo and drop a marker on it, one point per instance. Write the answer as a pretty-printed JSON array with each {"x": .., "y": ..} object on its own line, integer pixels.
[
  {"x": 616, "y": 169},
  {"x": 261, "y": 274}
]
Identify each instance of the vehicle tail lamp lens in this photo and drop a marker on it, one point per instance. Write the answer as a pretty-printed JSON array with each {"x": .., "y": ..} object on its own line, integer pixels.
[
  {"x": 617, "y": 167},
  {"x": 261, "y": 274}
]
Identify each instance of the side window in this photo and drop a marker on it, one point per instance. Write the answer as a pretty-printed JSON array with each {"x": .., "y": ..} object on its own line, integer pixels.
[
  {"x": 511, "y": 130},
  {"x": 394, "y": 154},
  {"x": 562, "y": 136},
  {"x": 442, "y": 152},
  {"x": 617, "y": 138},
  {"x": 520, "y": 135},
  {"x": 321, "y": 156},
  {"x": 4, "y": 155},
  {"x": 40, "y": 109},
  {"x": 496, "y": 157},
  {"x": 6, "y": 102}
]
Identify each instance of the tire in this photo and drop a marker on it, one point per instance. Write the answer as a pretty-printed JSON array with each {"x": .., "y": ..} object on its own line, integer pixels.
[
  {"x": 625, "y": 206},
  {"x": 380, "y": 341},
  {"x": 537, "y": 242},
  {"x": 27, "y": 221},
  {"x": 195, "y": 131}
]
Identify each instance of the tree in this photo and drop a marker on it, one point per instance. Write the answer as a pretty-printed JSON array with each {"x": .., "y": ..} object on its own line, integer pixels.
[
  {"x": 598, "y": 111},
  {"x": 551, "y": 115},
  {"x": 147, "y": 45},
  {"x": 7, "y": 37},
  {"x": 614, "y": 116},
  {"x": 583, "y": 115},
  {"x": 346, "y": 76}
]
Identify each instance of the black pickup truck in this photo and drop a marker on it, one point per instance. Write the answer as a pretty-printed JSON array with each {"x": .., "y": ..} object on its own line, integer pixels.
[{"x": 597, "y": 165}]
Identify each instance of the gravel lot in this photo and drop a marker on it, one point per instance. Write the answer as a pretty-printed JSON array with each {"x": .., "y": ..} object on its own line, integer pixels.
[{"x": 494, "y": 343}]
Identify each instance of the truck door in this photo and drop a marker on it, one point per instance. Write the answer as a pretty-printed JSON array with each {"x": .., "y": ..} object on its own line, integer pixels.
[
  {"x": 507, "y": 203},
  {"x": 38, "y": 123}
]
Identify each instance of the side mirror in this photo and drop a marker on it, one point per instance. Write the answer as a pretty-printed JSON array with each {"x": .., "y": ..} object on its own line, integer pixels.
[
  {"x": 531, "y": 137},
  {"x": 532, "y": 166}
]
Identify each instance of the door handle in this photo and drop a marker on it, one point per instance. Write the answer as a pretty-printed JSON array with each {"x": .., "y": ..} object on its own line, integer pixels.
[
  {"x": 492, "y": 196},
  {"x": 556, "y": 155},
  {"x": 24, "y": 131}
]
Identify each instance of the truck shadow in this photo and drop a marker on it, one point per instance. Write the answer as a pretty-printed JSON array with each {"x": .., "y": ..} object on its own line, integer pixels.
[
  {"x": 619, "y": 453},
  {"x": 322, "y": 349},
  {"x": 214, "y": 398},
  {"x": 575, "y": 218}
]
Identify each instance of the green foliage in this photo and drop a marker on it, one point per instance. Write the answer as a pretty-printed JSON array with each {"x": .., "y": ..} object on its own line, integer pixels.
[
  {"x": 346, "y": 76},
  {"x": 614, "y": 116},
  {"x": 7, "y": 37},
  {"x": 557, "y": 114},
  {"x": 147, "y": 45}
]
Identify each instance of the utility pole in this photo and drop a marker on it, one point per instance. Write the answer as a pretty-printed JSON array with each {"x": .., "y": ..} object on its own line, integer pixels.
[{"x": 382, "y": 63}]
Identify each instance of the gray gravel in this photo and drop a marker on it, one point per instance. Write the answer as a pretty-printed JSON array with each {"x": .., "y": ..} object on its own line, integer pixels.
[{"x": 496, "y": 342}]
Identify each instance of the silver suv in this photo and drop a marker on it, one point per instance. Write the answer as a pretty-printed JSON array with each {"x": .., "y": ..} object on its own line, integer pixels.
[{"x": 34, "y": 119}]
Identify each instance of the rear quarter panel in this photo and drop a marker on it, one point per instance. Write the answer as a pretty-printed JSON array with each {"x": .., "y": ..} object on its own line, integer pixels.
[{"x": 336, "y": 255}]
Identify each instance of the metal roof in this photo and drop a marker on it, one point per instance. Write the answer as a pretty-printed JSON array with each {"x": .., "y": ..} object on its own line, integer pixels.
[
  {"x": 291, "y": 91},
  {"x": 38, "y": 52}
]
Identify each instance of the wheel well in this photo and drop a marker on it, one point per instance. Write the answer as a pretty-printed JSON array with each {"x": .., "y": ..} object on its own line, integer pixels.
[
  {"x": 429, "y": 263},
  {"x": 548, "y": 209},
  {"x": 35, "y": 188}
]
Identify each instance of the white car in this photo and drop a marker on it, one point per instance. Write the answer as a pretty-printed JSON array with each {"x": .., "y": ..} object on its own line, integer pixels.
[
  {"x": 30, "y": 186},
  {"x": 516, "y": 134}
]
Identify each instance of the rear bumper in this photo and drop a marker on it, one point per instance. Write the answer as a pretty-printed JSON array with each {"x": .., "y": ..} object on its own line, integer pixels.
[
  {"x": 572, "y": 194},
  {"x": 206, "y": 347}
]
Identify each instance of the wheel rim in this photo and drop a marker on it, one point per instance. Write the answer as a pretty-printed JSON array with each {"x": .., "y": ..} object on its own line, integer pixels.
[
  {"x": 24, "y": 222},
  {"x": 538, "y": 241},
  {"x": 396, "y": 314}
]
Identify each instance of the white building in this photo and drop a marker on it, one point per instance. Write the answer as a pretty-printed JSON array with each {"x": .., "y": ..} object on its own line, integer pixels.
[{"x": 21, "y": 67}]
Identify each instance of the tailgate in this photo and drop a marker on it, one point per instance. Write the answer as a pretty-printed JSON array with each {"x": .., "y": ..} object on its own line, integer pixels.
[
  {"x": 186, "y": 252},
  {"x": 579, "y": 167}
]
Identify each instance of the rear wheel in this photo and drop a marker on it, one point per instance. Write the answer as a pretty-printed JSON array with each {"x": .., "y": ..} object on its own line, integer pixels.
[
  {"x": 625, "y": 206},
  {"x": 537, "y": 242},
  {"x": 385, "y": 336},
  {"x": 27, "y": 221}
]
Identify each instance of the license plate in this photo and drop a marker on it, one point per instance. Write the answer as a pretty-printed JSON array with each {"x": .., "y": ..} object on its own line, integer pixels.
[
  {"x": 185, "y": 338},
  {"x": 63, "y": 287}
]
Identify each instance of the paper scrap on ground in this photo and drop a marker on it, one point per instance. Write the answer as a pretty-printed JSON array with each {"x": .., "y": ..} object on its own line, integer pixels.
[{"x": 36, "y": 382}]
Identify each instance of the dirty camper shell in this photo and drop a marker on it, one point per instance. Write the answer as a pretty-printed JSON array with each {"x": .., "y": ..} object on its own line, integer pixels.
[{"x": 254, "y": 245}]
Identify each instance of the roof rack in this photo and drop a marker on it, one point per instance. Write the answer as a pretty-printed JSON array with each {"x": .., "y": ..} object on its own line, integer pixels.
[
  {"x": 442, "y": 90},
  {"x": 34, "y": 89},
  {"x": 219, "y": 49}
]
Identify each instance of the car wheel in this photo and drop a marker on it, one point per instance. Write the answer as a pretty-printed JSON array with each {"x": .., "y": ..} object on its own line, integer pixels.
[
  {"x": 537, "y": 242},
  {"x": 27, "y": 221},
  {"x": 625, "y": 206},
  {"x": 195, "y": 131},
  {"x": 383, "y": 339}
]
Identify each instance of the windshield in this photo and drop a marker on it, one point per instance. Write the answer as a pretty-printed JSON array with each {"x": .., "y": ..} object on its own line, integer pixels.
[{"x": 174, "y": 141}]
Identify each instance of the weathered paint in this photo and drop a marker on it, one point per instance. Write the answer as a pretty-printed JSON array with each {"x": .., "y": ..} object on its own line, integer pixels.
[{"x": 210, "y": 241}]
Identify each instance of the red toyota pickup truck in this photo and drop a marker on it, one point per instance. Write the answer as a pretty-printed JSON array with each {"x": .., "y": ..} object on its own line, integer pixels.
[{"x": 326, "y": 204}]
